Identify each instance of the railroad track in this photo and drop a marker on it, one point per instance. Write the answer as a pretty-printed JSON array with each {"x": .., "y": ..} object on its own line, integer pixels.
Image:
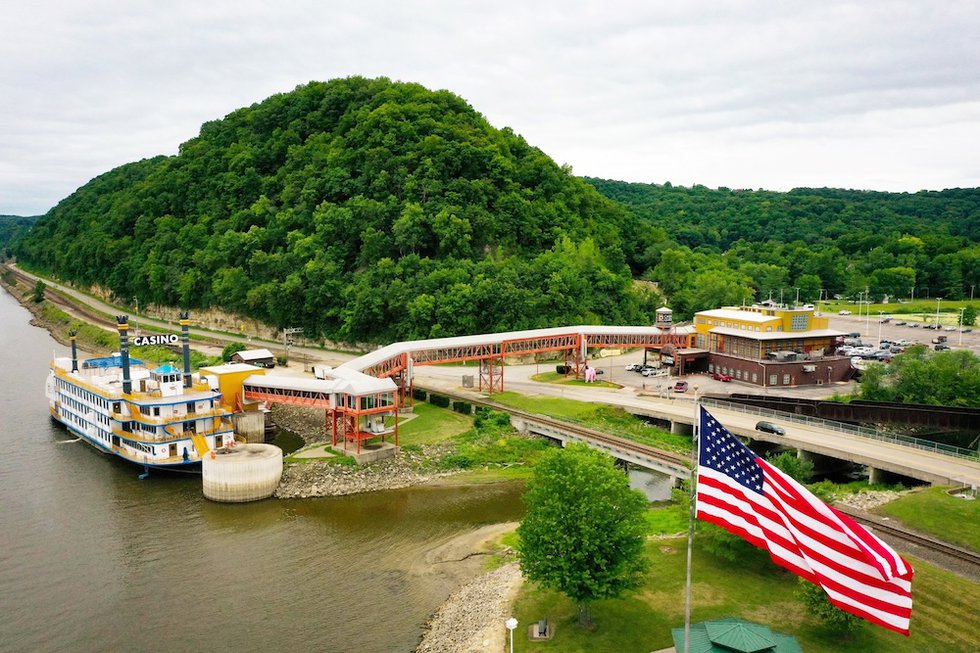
[
  {"x": 970, "y": 560},
  {"x": 79, "y": 310},
  {"x": 84, "y": 312},
  {"x": 600, "y": 437}
]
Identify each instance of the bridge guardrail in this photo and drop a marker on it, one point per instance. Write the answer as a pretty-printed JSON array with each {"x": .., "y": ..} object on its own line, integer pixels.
[{"x": 860, "y": 431}]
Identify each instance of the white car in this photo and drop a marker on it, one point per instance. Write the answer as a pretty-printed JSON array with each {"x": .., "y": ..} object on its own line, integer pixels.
[{"x": 844, "y": 312}]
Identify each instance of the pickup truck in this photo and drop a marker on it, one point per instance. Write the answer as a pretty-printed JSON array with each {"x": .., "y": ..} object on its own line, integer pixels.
[{"x": 938, "y": 339}]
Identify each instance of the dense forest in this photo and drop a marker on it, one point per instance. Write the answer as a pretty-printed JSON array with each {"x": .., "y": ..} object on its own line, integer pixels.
[
  {"x": 364, "y": 210},
  {"x": 368, "y": 210},
  {"x": 11, "y": 228},
  {"x": 739, "y": 245}
]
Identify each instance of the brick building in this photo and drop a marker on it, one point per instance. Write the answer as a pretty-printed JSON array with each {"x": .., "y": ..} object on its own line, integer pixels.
[{"x": 771, "y": 346}]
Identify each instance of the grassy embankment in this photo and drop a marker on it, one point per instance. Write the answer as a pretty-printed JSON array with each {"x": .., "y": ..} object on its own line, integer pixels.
[
  {"x": 757, "y": 589},
  {"x": 943, "y": 616},
  {"x": 934, "y": 512},
  {"x": 561, "y": 379},
  {"x": 601, "y": 417}
]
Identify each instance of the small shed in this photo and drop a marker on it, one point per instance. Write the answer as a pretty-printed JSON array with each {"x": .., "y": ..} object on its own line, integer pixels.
[
  {"x": 257, "y": 357},
  {"x": 730, "y": 635}
]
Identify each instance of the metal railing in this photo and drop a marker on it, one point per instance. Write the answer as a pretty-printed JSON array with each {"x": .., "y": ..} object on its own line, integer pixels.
[{"x": 850, "y": 429}]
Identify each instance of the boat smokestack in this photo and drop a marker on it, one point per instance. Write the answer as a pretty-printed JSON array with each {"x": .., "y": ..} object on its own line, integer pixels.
[
  {"x": 122, "y": 323},
  {"x": 185, "y": 335},
  {"x": 74, "y": 351}
]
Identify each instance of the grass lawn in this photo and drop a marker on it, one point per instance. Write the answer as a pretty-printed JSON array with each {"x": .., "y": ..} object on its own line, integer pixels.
[
  {"x": 601, "y": 417},
  {"x": 944, "y": 615},
  {"x": 561, "y": 379},
  {"x": 432, "y": 424},
  {"x": 934, "y": 512}
]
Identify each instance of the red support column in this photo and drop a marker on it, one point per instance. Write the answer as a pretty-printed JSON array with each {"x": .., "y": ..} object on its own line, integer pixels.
[
  {"x": 503, "y": 354},
  {"x": 334, "y": 415}
]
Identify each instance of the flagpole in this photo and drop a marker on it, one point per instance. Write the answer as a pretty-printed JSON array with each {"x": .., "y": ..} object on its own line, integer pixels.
[{"x": 690, "y": 522}]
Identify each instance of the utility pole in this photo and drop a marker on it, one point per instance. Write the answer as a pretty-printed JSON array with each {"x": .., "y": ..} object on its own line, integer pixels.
[
  {"x": 286, "y": 340},
  {"x": 962, "y": 308},
  {"x": 867, "y": 316}
]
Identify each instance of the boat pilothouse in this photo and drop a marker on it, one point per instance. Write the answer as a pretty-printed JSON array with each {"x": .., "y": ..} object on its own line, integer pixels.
[{"x": 163, "y": 417}]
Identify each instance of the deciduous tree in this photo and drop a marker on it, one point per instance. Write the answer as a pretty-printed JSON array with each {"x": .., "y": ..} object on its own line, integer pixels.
[{"x": 584, "y": 529}]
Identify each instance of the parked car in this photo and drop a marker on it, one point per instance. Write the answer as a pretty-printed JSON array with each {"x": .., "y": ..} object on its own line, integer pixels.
[
  {"x": 901, "y": 323},
  {"x": 844, "y": 312},
  {"x": 950, "y": 328},
  {"x": 942, "y": 346},
  {"x": 680, "y": 386},
  {"x": 769, "y": 427},
  {"x": 718, "y": 376},
  {"x": 913, "y": 325},
  {"x": 633, "y": 367},
  {"x": 967, "y": 330}
]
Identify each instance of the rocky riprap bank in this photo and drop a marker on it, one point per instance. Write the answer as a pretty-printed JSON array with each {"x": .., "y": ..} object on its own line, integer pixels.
[
  {"x": 472, "y": 619},
  {"x": 320, "y": 478}
]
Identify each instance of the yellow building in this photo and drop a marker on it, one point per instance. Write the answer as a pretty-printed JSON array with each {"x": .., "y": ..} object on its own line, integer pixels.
[
  {"x": 228, "y": 381},
  {"x": 770, "y": 345}
]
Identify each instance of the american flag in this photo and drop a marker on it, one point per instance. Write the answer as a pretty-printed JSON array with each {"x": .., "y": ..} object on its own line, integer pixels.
[{"x": 747, "y": 496}]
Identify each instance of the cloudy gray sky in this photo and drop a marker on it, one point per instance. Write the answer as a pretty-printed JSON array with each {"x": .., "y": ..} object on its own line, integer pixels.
[{"x": 744, "y": 94}]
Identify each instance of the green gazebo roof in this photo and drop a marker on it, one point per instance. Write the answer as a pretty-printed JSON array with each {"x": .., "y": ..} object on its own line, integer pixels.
[{"x": 730, "y": 635}]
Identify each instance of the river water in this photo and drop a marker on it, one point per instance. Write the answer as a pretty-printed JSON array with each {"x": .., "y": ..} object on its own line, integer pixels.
[{"x": 94, "y": 559}]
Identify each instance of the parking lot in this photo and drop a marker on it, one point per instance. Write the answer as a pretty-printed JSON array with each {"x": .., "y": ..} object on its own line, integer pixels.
[{"x": 870, "y": 328}]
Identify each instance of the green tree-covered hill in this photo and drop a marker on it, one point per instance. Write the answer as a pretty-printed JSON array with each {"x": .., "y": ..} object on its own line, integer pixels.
[
  {"x": 361, "y": 209},
  {"x": 748, "y": 244},
  {"x": 11, "y": 228}
]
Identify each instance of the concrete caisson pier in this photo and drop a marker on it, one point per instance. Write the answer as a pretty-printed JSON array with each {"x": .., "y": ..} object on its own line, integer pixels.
[{"x": 247, "y": 472}]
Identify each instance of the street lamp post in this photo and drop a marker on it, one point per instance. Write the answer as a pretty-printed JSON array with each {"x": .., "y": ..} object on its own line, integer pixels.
[
  {"x": 962, "y": 308},
  {"x": 867, "y": 314},
  {"x": 511, "y": 625},
  {"x": 938, "y": 301},
  {"x": 879, "y": 329}
]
